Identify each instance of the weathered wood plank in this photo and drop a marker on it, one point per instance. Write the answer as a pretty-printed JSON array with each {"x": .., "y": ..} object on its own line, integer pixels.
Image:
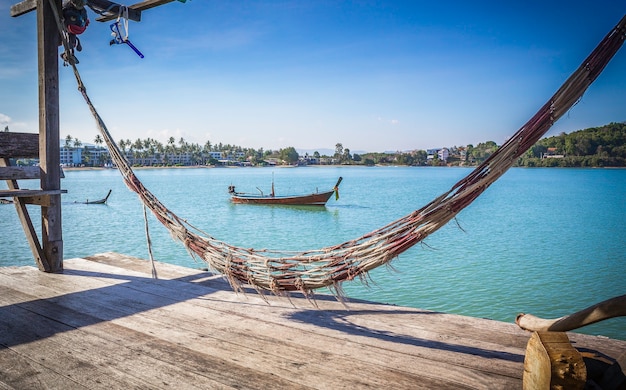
[
  {"x": 23, "y": 173},
  {"x": 147, "y": 4},
  {"x": 431, "y": 372},
  {"x": 26, "y": 6},
  {"x": 19, "y": 145},
  {"x": 23, "y": 7},
  {"x": 112, "y": 10},
  {"x": 362, "y": 316},
  {"x": 20, "y": 372},
  {"x": 54, "y": 353},
  {"x": 19, "y": 173},
  {"x": 417, "y": 320},
  {"x": 113, "y": 356},
  {"x": 247, "y": 349},
  {"x": 480, "y": 329},
  {"x": 270, "y": 349},
  {"x": 187, "y": 319},
  {"x": 23, "y": 192},
  {"x": 164, "y": 270},
  {"x": 134, "y": 11},
  {"x": 114, "y": 365}
]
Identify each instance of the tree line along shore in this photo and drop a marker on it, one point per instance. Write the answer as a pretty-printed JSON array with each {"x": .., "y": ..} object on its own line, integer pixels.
[{"x": 603, "y": 146}]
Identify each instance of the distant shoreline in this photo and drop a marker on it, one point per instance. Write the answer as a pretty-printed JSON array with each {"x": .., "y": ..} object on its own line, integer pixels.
[
  {"x": 309, "y": 166},
  {"x": 212, "y": 166},
  {"x": 134, "y": 168}
]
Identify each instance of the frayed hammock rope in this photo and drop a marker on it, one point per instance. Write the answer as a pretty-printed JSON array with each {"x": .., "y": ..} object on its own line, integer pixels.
[{"x": 283, "y": 271}]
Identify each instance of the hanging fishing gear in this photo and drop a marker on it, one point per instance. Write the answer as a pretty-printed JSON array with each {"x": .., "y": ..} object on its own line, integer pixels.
[
  {"x": 75, "y": 20},
  {"x": 116, "y": 31}
]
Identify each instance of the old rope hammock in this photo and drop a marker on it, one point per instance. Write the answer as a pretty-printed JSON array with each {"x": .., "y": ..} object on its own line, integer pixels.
[{"x": 281, "y": 272}]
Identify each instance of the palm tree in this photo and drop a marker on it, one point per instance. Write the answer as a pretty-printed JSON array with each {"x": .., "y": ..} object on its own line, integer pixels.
[
  {"x": 160, "y": 149},
  {"x": 338, "y": 152},
  {"x": 86, "y": 157},
  {"x": 138, "y": 144},
  {"x": 122, "y": 144}
]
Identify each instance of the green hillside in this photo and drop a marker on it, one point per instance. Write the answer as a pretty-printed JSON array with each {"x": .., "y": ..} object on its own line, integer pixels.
[{"x": 594, "y": 147}]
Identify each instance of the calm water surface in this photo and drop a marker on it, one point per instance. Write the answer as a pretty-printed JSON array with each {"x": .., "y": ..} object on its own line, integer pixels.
[{"x": 542, "y": 241}]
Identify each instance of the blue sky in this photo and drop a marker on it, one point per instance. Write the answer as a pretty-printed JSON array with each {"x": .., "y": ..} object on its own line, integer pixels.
[{"x": 372, "y": 75}]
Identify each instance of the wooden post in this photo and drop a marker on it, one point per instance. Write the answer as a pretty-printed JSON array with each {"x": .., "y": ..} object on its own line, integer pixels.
[
  {"x": 48, "y": 40},
  {"x": 49, "y": 197}
]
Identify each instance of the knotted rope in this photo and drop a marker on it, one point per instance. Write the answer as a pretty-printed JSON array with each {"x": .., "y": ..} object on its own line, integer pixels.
[{"x": 283, "y": 271}]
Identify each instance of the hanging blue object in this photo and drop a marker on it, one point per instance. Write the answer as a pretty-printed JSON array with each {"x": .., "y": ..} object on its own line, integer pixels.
[{"x": 119, "y": 39}]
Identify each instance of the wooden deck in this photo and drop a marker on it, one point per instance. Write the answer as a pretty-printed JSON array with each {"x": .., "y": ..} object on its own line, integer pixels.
[{"x": 104, "y": 323}]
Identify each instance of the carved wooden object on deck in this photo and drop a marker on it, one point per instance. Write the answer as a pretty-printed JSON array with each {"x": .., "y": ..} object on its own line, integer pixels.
[{"x": 552, "y": 363}]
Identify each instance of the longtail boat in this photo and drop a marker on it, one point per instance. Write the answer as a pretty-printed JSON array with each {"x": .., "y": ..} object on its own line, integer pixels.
[
  {"x": 99, "y": 201},
  {"x": 313, "y": 199}
]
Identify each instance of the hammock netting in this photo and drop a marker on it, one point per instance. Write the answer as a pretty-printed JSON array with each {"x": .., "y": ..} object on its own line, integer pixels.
[{"x": 281, "y": 272}]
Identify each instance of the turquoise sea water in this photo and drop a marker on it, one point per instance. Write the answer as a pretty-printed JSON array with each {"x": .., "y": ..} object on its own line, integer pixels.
[{"x": 543, "y": 241}]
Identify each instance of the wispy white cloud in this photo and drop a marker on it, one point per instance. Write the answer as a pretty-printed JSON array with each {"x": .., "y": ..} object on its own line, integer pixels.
[
  {"x": 7, "y": 121},
  {"x": 163, "y": 135},
  {"x": 4, "y": 120},
  {"x": 385, "y": 120}
]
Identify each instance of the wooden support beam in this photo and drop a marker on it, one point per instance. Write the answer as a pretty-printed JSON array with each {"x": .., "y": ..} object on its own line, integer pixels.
[
  {"x": 19, "y": 173},
  {"x": 23, "y": 7},
  {"x": 110, "y": 8},
  {"x": 17, "y": 192},
  {"x": 41, "y": 200},
  {"x": 137, "y": 8},
  {"x": 27, "y": 225},
  {"x": 23, "y": 173},
  {"x": 19, "y": 145},
  {"x": 49, "y": 148},
  {"x": 147, "y": 4}
]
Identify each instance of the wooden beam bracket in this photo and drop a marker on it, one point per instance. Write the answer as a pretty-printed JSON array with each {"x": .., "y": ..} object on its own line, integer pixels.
[
  {"x": 19, "y": 173},
  {"x": 23, "y": 7},
  {"x": 108, "y": 10},
  {"x": 23, "y": 173},
  {"x": 26, "y": 193},
  {"x": 19, "y": 145}
]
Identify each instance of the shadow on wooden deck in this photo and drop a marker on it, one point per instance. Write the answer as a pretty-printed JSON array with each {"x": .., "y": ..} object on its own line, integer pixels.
[
  {"x": 340, "y": 320},
  {"x": 128, "y": 297}
]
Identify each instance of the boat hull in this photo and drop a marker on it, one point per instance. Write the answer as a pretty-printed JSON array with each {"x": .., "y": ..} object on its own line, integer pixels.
[{"x": 316, "y": 199}]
